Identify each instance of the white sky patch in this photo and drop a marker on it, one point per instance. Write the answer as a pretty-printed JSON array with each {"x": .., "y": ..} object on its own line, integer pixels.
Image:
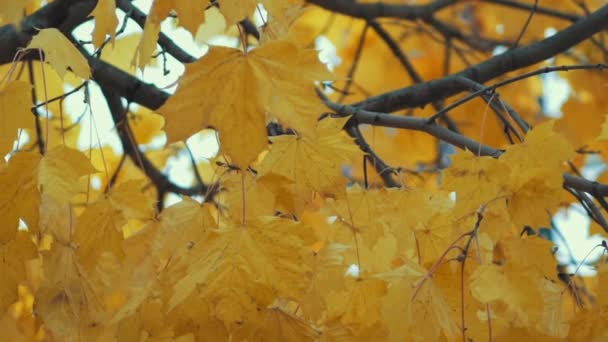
[
  {"x": 556, "y": 89},
  {"x": 96, "y": 182},
  {"x": 327, "y": 52},
  {"x": 353, "y": 271},
  {"x": 260, "y": 16},
  {"x": 499, "y": 49},
  {"x": 500, "y": 29},
  {"x": 573, "y": 223}
]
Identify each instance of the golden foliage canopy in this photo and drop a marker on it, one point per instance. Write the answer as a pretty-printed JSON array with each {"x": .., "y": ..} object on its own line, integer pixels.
[{"x": 404, "y": 189}]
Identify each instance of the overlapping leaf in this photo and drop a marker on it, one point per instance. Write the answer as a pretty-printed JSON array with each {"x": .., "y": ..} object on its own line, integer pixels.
[{"x": 274, "y": 80}]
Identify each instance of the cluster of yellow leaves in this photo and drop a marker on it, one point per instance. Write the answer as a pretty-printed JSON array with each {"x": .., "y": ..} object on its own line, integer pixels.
[{"x": 290, "y": 251}]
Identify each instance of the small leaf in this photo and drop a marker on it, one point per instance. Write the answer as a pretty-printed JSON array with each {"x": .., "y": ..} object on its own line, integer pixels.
[
  {"x": 60, "y": 170},
  {"x": 15, "y": 102},
  {"x": 105, "y": 21},
  {"x": 60, "y": 53}
]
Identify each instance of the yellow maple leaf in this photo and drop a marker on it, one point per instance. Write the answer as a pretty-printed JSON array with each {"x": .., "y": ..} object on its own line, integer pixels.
[
  {"x": 120, "y": 53},
  {"x": 604, "y": 131},
  {"x": 602, "y": 289},
  {"x": 60, "y": 53},
  {"x": 362, "y": 212},
  {"x": 59, "y": 171},
  {"x": 258, "y": 199},
  {"x": 129, "y": 198},
  {"x": 145, "y": 125},
  {"x": 237, "y": 10},
  {"x": 476, "y": 180},
  {"x": 13, "y": 256},
  {"x": 273, "y": 80},
  {"x": 259, "y": 260},
  {"x": 12, "y": 11},
  {"x": 536, "y": 177},
  {"x": 312, "y": 163},
  {"x": 190, "y": 14},
  {"x": 184, "y": 228},
  {"x": 19, "y": 197},
  {"x": 276, "y": 323},
  {"x": 359, "y": 306},
  {"x": 555, "y": 317},
  {"x": 543, "y": 147},
  {"x": 98, "y": 230},
  {"x": 488, "y": 283},
  {"x": 105, "y": 21},
  {"x": 432, "y": 314},
  {"x": 215, "y": 24},
  {"x": 15, "y": 113}
]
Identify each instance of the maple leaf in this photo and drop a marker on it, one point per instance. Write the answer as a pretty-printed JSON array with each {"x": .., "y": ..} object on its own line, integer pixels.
[
  {"x": 362, "y": 212},
  {"x": 60, "y": 53},
  {"x": 11, "y": 11},
  {"x": 433, "y": 315},
  {"x": 14, "y": 112},
  {"x": 475, "y": 180},
  {"x": 120, "y": 54},
  {"x": 555, "y": 319},
  {"x": 59, "y": 171},
  {"x": 184, "y": 227},
  {"x": 190, "y": 13},
  {"x": 275, "y": 79},
  {"x": 604, "y": 131},
  {"x": 99, "y": 230},
  {"x": 14, "y": 257},
  {"x": 359, "y": 306},
  {"x": 20, "y": 197},
  {"x": 105, "y": 21},
  {"x": 129, "y": 198},
  {"x": 145, "y": 125},
  {"x": 312, "y": 163},
  {"x": 536, "y": 178},
  {"x": 259, "y": 198},
  {"x": 262, "y": 258},
  {"x": 277, "y": 323}
]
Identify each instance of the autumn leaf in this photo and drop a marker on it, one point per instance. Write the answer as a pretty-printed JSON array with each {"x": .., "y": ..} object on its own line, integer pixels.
[
  {"x": 20, "y": 197},
  {"x": 129, "y": 198},
  {"x": 98, "y": 230},
  {"x": 359, "y": 306},
  {"x": 105, "y": 21},
  {"x": 312, "y": 163},
  {"x": 246, "y": 256},
  {"x": 190, "y": 14},
  {"x": 15, "y": 113},
  {"x": 536, "y": 176},
  {"x": 276, "y": 80},
  {"x": 60, "y": 53},
  {"x": 121, "y": 52},
  {"x": 14, "y": 255},
  {"x": 11, "y": 11},
  {"x": 604, "y": 131},
  {"x": 60, "y": 170},
  {"x": 475, "y": 180}
]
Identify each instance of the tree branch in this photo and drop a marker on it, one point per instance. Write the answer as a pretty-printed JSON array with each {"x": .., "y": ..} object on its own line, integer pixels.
[
  {"x": 382, "y": 10},
  {"x": 360, "y": 116},
  {"x": 160, "y": 180},
  {"x": 163, "y": 40},
  {"x": 421, "y": 94}
]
